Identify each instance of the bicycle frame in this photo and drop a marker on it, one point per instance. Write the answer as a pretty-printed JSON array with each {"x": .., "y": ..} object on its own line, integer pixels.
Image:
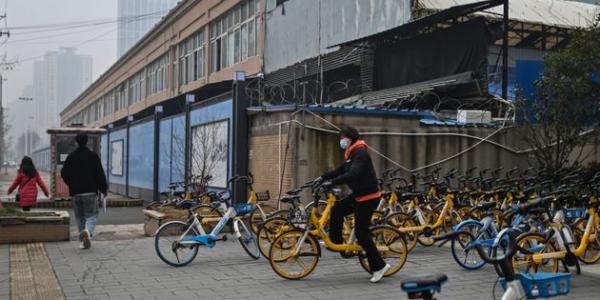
[
  {"x": 514, "y": 291},
  {"x": 448, "y": 206},
  {"x": 389, "y": 203},
  {"x": 588, "y": 236},
  {"x": 210, "y": 238},
  {"x": 319, "y": 223}
]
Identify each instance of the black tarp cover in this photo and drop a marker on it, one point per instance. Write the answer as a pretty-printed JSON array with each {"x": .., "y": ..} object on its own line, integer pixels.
[{"x": 460, "y": 48}]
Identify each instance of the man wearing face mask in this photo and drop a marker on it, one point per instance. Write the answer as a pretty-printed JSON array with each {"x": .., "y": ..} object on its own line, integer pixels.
[{"x": 358, "y": 173}]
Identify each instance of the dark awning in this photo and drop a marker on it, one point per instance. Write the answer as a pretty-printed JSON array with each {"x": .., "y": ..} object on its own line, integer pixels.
[{"x": 442, "y": 16}]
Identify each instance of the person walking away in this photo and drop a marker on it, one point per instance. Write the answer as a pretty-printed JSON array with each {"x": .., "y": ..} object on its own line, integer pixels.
[
  {"x": 27, "y": 180},
  {"x": 84, "y": 175},
  {"x": 358, "y": 174}
]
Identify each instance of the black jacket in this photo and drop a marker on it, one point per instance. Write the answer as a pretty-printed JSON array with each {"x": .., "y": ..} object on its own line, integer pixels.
[
  {"x": 83, "y": 172},
  {"x": 357, "y": 172}
]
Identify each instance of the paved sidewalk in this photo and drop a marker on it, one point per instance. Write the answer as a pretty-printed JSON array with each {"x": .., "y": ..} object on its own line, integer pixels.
[
  {"x": 123, "y": 265},
  {"x": 113, "y": 232},
  {"x": 130, "y": 269}
]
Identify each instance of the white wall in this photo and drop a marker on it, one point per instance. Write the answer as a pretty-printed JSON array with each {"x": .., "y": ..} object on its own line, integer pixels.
[{"x": 292, "y": 29}]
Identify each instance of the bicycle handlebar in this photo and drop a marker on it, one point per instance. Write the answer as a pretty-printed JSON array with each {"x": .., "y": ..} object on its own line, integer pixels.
[{"x": 249, "y": 178}]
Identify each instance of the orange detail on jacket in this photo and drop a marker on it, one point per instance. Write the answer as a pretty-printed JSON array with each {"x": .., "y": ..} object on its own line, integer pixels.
[{"x": 357, "y": 145}]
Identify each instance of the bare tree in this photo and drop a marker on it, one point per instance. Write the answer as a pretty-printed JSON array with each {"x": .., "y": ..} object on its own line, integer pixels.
[
  {"x": 564, "y": 114},
  {"x": 209, "y": 149}
]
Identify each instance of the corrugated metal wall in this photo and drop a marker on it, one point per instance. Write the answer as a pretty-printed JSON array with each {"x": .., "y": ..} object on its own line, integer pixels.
[{"x": 292, "y": 29}]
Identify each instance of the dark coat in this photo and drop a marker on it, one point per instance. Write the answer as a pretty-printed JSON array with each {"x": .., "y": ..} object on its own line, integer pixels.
[
  {"x": 83, "y": 172},
  {"x": 357, "y": 172},
  {"x": 28, "y": 188}
]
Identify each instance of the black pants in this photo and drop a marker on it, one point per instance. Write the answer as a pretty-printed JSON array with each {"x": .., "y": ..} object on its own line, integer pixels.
[{"x": 363, "y": 212}]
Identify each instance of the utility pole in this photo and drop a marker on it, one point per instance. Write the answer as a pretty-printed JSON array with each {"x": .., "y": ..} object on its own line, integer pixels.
[
  {"x": 2, "y": 131},
  {"x": 1, "y": 123}
]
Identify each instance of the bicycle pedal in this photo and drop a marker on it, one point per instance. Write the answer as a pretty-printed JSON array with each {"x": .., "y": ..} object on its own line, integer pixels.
[
  {"x": 571, "y": 259},
  {"x": 223, "y": 238}
]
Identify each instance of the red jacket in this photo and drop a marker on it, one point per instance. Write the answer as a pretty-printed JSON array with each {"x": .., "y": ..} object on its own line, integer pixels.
[{"x": 28, "y": 188}]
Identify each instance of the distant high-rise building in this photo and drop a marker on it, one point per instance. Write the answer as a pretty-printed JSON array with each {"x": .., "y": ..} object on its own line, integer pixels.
[
  {"x": 136, "y": 18},
  {"x": 20, "y": 113},
  {"x": 57, "y": 80}
]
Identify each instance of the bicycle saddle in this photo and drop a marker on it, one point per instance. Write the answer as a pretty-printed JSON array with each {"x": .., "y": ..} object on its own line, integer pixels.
[
  {"x": 290, "y": 199},
  {"x": 412, "y": 194},
  {"x": 386, "y": 194},
  {"x": 532, "y": 205},
  {"x": 486, "y": 205},
  {"x": 186, "y": 204},
  {"x": 521, "y": 198},
  {"x": 424, "y": 283},
  {"x": 294, "y": 192}
]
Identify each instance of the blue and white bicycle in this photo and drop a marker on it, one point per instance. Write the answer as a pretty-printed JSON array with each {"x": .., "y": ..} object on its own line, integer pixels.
[
  {"x": 517, "y": 286},
  {"x": 177, "y": 243},
  {"x": 486, "y": 231}
]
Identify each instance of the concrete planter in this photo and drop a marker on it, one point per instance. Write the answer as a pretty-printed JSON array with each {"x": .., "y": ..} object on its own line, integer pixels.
[
  {"x": 154, "y": 219},
  {"x": 116, "y": 202},
  {"x": 26, "y": 227}
]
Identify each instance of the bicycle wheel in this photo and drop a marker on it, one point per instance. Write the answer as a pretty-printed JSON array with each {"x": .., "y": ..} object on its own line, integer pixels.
[
  {"x": 386, "y": 237},
  {"x": 267, "y": 232},
  {"x": 257, "y": 216},
  {"x": 534, "y": 242},
  {"x": 246, "y": 238},
  {"x": 591, "y": 255},
  {"x": 399, "y": 220},
  {"x": 464, "y": 256},
  {"x": 168, "y": 248},
  {"x": 288, "y": 264}
]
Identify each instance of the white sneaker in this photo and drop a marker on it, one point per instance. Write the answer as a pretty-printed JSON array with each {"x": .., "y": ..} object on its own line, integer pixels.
[
  {"x": 85, "y": 239},
  {"x": 81, "y": 246},
  {"x": 379, "y": 274}
]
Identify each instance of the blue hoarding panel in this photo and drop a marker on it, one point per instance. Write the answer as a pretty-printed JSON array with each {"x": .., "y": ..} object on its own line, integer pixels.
[{"x": 141, "y": 156}]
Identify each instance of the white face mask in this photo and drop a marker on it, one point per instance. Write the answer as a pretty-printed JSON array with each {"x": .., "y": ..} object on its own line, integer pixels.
[{"x": 345, "y": 143}]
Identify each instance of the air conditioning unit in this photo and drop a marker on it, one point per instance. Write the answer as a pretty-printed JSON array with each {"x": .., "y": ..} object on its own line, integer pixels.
[{"x": 474, "y": 116}]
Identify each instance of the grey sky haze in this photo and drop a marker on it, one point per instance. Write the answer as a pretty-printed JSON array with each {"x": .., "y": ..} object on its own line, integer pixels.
[{"x": 26, "y": 43}]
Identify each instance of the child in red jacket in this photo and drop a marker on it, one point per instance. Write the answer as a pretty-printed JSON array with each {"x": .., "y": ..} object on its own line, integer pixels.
[{"x": 27, "y": 180}]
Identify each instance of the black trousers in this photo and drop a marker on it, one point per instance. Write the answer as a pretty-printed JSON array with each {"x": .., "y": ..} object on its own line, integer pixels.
[{"x": 363, "y": 212}]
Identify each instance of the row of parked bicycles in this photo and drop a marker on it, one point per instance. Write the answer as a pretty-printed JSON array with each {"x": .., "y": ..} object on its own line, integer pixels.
[{"x": 528, "y": 224}]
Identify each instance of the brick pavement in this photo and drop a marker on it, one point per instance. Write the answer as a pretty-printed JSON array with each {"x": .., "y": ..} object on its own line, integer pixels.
[
  {"x": 130, "y": 269},
  {"x": 4, "y": 272}
]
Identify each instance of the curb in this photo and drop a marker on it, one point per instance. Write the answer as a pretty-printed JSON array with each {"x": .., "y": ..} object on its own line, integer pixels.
[{"x": 68, "y": 204}]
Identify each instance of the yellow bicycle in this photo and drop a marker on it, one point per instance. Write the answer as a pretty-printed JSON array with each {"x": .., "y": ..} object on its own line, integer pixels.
[{"x": 294, "y": 254}]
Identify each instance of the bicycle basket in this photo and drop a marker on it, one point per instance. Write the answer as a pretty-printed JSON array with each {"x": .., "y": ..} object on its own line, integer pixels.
[
  {"x": 574, "y": 213},
  {"x": 543, "y": 285},
  {"x": 243, "y": 208}
]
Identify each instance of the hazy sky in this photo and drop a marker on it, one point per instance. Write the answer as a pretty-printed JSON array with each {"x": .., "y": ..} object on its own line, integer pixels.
[{"x": 100, "y": 41}]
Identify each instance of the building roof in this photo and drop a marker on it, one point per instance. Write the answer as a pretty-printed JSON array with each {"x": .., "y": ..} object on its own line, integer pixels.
[{"x": 559, "y": 13}]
